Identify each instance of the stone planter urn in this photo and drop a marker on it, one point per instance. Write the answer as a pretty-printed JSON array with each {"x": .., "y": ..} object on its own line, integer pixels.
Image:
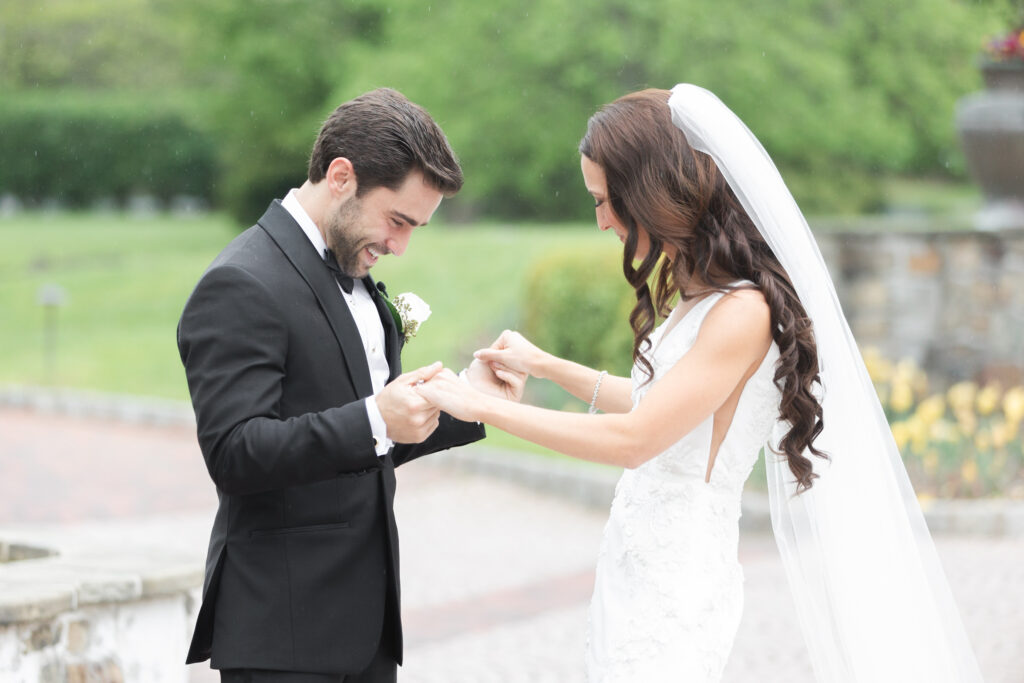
[{"x": 991, "y": 128}]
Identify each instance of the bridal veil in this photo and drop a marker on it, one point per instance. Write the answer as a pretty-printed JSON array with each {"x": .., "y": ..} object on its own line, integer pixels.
[{"x": 873, "y": 602}]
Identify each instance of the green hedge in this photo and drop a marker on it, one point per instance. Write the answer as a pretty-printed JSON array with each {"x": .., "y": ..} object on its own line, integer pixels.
[
  {"x": 76, "y": 149},
  {"x": 577, "y": 306}
]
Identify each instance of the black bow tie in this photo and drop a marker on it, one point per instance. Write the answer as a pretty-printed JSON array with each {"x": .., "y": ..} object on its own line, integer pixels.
[{"x": 345, "y": 281}]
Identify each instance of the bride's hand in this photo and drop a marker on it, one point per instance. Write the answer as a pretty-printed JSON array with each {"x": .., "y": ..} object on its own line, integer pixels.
[
  {"x": 512, "y": 351},
  {"x": 450, "y": 393},
  {"x": 497, "y": 380}
]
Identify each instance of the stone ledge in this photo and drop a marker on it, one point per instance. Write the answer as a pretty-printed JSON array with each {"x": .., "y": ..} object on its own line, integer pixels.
[
  {"x": 594, "y": 486},
  {"x": 157, "y": 576},
  {"x": 88, "y": 585},
  {"x": 21, "y": 602},
  {"x": 16, "y": 552},
  {"x": 982, "y": 517},
  {"x": 107, "y": 572}
]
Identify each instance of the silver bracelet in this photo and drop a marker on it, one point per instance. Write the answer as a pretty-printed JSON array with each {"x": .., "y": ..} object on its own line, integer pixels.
[{"x": 597, "y": 388}]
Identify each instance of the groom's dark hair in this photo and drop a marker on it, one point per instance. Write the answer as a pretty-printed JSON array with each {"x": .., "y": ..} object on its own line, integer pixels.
[{"x": 385, "y": 136}]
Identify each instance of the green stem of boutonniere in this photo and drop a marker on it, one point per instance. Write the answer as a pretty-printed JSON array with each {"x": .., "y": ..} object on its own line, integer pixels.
[{"x": 395, "y": 315}]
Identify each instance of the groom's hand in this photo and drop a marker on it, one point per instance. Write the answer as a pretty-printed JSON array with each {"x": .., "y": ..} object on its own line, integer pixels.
[{"x": 408, "y": 416}]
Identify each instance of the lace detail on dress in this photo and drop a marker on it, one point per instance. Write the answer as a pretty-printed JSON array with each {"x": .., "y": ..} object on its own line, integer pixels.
[{"x": 669, "y": 590}]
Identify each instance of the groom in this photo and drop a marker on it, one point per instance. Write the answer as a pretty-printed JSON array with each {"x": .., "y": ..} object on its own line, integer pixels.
[{"x": 302, "y": 412}]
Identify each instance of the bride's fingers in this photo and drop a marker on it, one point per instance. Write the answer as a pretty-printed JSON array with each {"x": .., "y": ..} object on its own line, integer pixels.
[
  {"x": 442, "y": 384},
  {"x": 509, "y": 377},
  {"x": 490, "y": 355},
  {"x": 505, "y": 360},
  {"x": 446, "y": 374},
  {"x": 502, "y": 341}
]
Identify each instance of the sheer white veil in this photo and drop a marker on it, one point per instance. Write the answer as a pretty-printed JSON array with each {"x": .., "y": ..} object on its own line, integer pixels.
[{"x": 873, "y": 602}]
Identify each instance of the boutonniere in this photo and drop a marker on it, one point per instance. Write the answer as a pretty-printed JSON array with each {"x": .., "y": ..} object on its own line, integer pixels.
[{"x": 408, "y": 310}]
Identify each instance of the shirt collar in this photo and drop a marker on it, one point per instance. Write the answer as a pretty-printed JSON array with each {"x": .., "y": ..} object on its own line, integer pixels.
[{"x": 291, "y": 205}]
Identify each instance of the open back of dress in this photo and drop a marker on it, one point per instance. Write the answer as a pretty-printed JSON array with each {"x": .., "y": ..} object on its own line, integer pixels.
[{"x": 669, "y": 590}]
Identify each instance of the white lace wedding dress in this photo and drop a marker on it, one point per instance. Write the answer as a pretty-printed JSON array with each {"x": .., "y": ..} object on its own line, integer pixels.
[{"x": 669, "y": 589}]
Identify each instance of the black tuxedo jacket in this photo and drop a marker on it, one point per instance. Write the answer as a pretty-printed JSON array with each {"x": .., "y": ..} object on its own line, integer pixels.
[{"x": 303, "y": 555}]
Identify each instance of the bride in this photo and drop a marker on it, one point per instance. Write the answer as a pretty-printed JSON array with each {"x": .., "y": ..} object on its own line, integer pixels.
[{"x": 755, "y": 353}]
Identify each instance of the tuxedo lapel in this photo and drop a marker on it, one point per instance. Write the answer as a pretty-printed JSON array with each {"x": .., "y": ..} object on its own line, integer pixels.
[
  {"x": 287, "y": 234},
  {"x": 393, "y": 345}
]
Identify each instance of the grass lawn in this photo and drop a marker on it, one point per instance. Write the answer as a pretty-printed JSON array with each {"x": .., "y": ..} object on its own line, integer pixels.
[{"x": 127, "y": 278}]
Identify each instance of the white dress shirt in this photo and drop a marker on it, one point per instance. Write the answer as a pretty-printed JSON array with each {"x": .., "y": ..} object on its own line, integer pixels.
[{"x": 367, "y": 319}]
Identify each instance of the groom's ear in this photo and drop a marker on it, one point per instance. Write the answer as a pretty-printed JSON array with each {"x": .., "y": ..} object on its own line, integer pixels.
[{"x": 341, "y": 178}]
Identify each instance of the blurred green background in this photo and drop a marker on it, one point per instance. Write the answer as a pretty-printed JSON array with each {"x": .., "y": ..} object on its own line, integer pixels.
[{"x": 138, "y": 136}]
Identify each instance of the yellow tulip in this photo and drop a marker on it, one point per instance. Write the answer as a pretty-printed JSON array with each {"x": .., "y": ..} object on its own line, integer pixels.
[
  {"x": 906, "y": 371},
  {"x": 932, "y": 408},
  {"x": 918, "y": 430},
  {"x": 943, "y": 431},
  {"x": 1013, "y": 405},
  {"x": 961, "y": 395},
  {"x": 901, "y": 399},
  {"x": 900, "y": 434},
  {"x": 878, "y": 367},
  {"x": 988, "y": 399},
  {"x": 1001, "y": 433},
  {"x": 969, "y": 472},
  {"x": 906, "y": 368},
  {"x": 967, "y": 420}
]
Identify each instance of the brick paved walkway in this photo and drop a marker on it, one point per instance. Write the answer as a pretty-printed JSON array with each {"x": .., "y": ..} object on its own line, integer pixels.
[
  {"x": 496, "y": 577},
  {"x": 62, "y": 469}
]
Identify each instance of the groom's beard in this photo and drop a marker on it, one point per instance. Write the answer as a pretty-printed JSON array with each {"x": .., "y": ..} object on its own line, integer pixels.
[{"x": 346, "y": 237}]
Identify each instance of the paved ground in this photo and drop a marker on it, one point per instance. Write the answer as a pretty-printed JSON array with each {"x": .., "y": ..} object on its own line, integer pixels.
[{"x": 496, "y": 577}]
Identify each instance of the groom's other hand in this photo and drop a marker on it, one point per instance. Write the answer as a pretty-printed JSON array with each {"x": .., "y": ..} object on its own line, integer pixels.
[{"x": 409, "y": 417}]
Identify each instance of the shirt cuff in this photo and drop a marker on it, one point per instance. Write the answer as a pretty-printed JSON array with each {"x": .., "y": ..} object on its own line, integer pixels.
[{"x": 381, "y": 443}]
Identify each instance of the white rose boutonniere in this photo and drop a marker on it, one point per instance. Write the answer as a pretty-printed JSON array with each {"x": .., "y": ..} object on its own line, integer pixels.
[{"x": 409, "y": 312}]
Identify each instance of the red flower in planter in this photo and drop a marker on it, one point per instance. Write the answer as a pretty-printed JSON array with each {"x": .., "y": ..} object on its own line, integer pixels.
[{"x": 1008, "y": 48}]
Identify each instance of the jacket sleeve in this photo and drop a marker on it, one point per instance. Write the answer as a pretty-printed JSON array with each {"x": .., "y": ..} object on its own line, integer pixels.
[
  {"x": 233, "y": 343},
  {"x": 450, "y": 433}
]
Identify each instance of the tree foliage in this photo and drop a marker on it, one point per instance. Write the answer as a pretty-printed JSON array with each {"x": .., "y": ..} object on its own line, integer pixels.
[
  {"x": 269, "y": 68},
  {"x": 109, "y": 45},
  {"x": 838, "y": 92},
  {"x": 841, "y": 92}
]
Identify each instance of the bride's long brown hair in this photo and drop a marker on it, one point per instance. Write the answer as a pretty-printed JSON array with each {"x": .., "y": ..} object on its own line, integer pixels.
[{"x": 679, "y": 197}]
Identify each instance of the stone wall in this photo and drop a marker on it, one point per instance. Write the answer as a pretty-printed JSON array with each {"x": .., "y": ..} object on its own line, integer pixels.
[
  {"x": 94, "y": 608},
  {"x": 953, "y": 301},
  {"x": 141, "y": 641}
]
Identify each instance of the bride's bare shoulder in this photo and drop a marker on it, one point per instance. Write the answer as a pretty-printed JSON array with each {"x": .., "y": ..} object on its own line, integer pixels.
[{"x": 741, "y": 316}]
